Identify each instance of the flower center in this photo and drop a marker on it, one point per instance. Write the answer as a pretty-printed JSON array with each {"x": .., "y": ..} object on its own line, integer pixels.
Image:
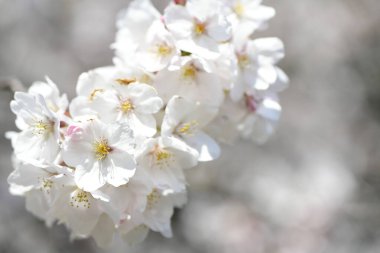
[
  {"x": 162, "y": 155},
  {"x": 164, "y": 50},
  {"x": 243, "y": 60},
  {"x": 101, "y": 149},
  {"x": 239, "y": 9},
  {"x": 125, "y": 81},
  {"x": 41, "y": 127},
  {"x": 126, "y": 106},
  {"x": 94, "y": 93},
  {"x": 189, "y": 71},
  {"x": 187, "y": 128},
  {"x": 80, "y": 198},
  {"x": 45, "y": 184},
  {"x": 162, "y": 158},
  {"x": 153, "y": 198},
  {"x": 199, "y": 28}
]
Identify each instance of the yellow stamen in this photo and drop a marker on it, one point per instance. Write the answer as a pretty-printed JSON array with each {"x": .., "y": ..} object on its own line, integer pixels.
[
  {"x": 101, "y": 149},
  {"x": 189, "y": 71},
  {"x": 80, "y": 198},
  {"x": 187, "y": 128},
  {"x": 239, "y": 9},
  {"x": 47, "y": 183},
  {"x": 199, "y": 28},
  {"x": 164, "y": 50},
  {"x": 126, "y": 106},
  {"x": 94, "y": 93},
  {"x": 41, "y": 127},
  {"x": 162, "y": 158},
  {"x": 153, "y": 198},
  {"x": 126, "y": 81},
  {"x": 162, "y": 155},
  {"x": 243, "y": 60}
]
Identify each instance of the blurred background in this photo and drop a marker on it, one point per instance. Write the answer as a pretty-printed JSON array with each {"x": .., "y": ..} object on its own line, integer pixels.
[{"x": 313, "y": 188}]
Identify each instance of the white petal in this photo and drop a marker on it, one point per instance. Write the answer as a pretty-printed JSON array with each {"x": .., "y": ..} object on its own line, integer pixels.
[
  {"x": 122, "y": 168},
  {"x": 178, "y": 21},
  {"x": 103, "y": 232},
  {"x": 90, "y": 178},
  {"x": 136, "y": 235},
  {"x": 219, "y": 29},
  {"x": 143, "y": 124},
  {"x": 207, "y": 147},
  {"x": 37, "y": 204}
]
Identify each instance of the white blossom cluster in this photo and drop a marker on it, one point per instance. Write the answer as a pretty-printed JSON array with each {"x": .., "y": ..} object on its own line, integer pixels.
[{"x": 113, "y": 160}]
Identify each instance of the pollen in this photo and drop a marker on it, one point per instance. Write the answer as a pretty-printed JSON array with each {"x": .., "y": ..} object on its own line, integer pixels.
[
  {"x": 199, "y": 28},
  {"x": 101, "y": 149},
  {"x": 80, "y": 198},
  {"x": 41, "y": 127},
  {"x": 189, "y": 71},
  {"x": 94, "y": 93},
  {"x": 46, "y": 184},
  {"x": 187, "y": 128},
  {"x": 239, "y": 9},
  {"x": 243, "y": 60},
  {"x": 153, "y": 198},
  {"x": 126, "y": 106},
  {"x": 162, "y": 155},
  {"x": 164, "y": 50},
  {"x": 126, "y": 81},
  {"x": 162, "y": 158}
]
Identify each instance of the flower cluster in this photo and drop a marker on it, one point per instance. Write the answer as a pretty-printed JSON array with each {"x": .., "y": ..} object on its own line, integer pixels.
[{"x": 112, "y": 161}]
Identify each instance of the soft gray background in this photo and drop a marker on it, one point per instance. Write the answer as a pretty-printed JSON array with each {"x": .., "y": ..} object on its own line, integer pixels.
[{"x": 314, "y": 188}]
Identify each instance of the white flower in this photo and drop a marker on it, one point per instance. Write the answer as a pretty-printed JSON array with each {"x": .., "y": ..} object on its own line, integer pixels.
[
  {"x": 129, "y": 199},
  {"x": 261, "y": 118},
  {"x": 186, "y": 119},
  {"x": 133, "y": 25},
  {"x": 133, "y": 103},
  {"x": 114, "y": 164},
  {"x": 124, "y": 211},
  {"x": 104, "y": 231},
  {"x": 163, "y": 159},
  {"x": 89, "y": 86},
  {"x": 256, "y": 70},
  {"x": 37, "y": 181},
  {"x": 246, "y": 16},
  {"x": 98, "y": 81},
  {"x": 224, "y": 126},
  {"x": 78, "y": 209},
  {"x": 100, "y": 154},
  {"x": 157, "y": 215},
  {"x": 133, "y": 231},
  {"x": 54, "y": 101},
  {"x": 160, "y": 208},
  {"x": 199, "y": 27},
  {"x": 253, "y": 117},
  {"x": 190, "y": 77},
  {"x": 158, "y": 49},
  {"x": 40, "y": 135}
]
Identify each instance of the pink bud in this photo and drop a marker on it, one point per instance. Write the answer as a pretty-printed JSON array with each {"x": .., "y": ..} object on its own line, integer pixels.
[
  {"x": 72, "y": 130},
  {"x": 180, "y": 2},
  {"x": 251, "y": 103}
]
